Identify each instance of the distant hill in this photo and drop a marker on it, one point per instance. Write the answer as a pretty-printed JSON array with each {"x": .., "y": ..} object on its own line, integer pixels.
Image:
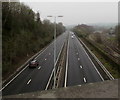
[
  {"x": 70, "y": 26},
  {"x": 105, "y": 25}
]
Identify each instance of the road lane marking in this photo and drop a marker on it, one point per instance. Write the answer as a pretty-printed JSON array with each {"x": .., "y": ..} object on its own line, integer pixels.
[
  {"x": 14, "y": 77},
  {"x": 39, "y": 67},
  {"x": 81, "y": 66},
  {"x": 41, "y": 52},
  {"x": 92, "y": 62},
  {"x": 84, "y": 79},
  {"x": 49, "y": 53},
  {"x": 94, "y": 67},
  {"x": 49, "y": 79},
  {"x": 76, "y": 53},
  {"x": 78, "y": 58},
  {"x": 45, "y": 59},
  {"x": 53, "y": 68},
  {"x": 103, "y": 67},
  {"x": 29, "y": 81},
  {"x": 65, "y": 84}
]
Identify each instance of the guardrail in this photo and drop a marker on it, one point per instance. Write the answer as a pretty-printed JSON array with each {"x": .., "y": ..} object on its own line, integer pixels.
[
  {"x": 51, "y": 78},
  {"x": 21, "y": 68},
  {"x": 24, "y": 66},
  {"x": 60, "y": 76},
  {"x": 98, "y": 62},
  {"x": 60, "y": 69}
]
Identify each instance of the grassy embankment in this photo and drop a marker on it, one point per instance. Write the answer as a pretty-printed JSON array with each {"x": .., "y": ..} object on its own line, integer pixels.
[
  {"x": 110, "y": 65},
  {"x": 23, "y": 35}
]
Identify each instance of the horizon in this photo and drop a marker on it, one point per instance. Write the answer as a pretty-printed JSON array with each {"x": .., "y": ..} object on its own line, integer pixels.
[{"x": 89, "y": 12}]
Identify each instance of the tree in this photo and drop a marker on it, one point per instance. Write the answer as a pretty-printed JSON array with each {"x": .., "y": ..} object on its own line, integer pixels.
[
  {"x": 22, "y": 35},
  {"x": 38, "y": 17}
]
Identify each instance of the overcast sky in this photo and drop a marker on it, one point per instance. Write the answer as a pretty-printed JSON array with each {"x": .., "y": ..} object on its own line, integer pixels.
[{"x": 78, "y": 12}]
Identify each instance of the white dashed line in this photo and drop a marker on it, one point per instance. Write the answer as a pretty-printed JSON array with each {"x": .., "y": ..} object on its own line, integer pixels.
[
  {"x": 39, "y": 67},
  {"x": 92, "y": 62},
  {"x": 84, "y": 79},
  {"x": 29, "y": 81},
  {"x": 81, "y": 66},
  {"x": 53, "y": 69},
  {"x": 14, "y": 78}
]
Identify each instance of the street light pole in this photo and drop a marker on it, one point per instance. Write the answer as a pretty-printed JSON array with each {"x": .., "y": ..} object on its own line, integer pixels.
[
  {"x": 54, "y": 51},
  {"x": 54, "y": 48}
]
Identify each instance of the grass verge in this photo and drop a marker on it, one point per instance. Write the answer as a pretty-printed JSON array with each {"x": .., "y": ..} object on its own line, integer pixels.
[{"x": 115, "y": 73}]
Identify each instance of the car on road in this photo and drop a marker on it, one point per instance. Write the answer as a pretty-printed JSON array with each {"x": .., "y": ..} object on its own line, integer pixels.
[{"x": 33, "y": 64}]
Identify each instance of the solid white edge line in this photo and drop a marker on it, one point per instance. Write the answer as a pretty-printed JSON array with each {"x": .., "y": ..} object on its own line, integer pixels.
[
  {"x": 23, "y": 69},
  {"x": 14, "y": 78},
  {"x": 103, "y": 67},
  {"x": 29, "y": 81},
  {"x": 39, "y": 53},
  {"x": 107, "y": 72},
  {"x": 48, "y": 46},
  {"x": 49, "y": 79},
  {"x": 65, "y": 84},
  {"x": 93, "y": 64},
  {"x": 43, "y": 51},
  {"x": 53, "y": 69}
]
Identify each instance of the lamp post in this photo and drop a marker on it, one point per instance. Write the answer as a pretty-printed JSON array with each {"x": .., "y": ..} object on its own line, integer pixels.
[{"x": 54, "y": 47}]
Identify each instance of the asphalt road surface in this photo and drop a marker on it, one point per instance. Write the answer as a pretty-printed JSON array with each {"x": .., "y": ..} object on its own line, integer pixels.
[
  {"x": 81, "y": 70},
  {"x": 36, "y": 79}
]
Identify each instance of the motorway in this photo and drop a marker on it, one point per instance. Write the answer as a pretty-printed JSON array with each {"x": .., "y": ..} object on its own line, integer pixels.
[
  {"x": 31, "y": 80},
  {"x": 79, "y": 68}
]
